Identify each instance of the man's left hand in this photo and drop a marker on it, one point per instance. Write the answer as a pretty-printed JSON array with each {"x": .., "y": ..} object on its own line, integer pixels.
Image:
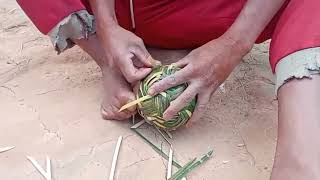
[{"x": 204, "y": 69}]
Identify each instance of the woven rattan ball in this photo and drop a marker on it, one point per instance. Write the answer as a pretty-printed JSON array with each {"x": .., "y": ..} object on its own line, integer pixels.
[{"x": 152, "y": 109}]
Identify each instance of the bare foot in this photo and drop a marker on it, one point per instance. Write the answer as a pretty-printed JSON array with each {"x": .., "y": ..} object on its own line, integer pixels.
[{"x": 117, "y": 93}]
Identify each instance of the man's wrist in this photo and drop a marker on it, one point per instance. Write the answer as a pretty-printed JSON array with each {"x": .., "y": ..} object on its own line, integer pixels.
[
  {"x": 238, "y": 41},
  {"x": 106, "y": 23}
]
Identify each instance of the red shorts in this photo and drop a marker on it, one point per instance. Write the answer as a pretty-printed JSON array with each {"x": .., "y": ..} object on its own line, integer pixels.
[{"x": 189, "y": 23}]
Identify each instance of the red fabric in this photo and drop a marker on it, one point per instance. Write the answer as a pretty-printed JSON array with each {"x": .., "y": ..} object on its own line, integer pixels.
[
  {"x": 189, "y": 23},
  {"x": 184, "y": 24},
  {"x": 298, "y": 28},
  {"x": 45, "y": 14},
  {"x": 122, "y": 9}
]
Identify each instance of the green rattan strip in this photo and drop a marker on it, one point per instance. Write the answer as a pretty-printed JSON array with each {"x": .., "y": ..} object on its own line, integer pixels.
[{"x": 152, "y": 109}]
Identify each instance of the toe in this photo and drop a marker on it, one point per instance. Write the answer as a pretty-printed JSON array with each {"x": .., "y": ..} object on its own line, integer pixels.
[
  {"x": 111, "y": 115},
  {"x": 126, "y": 97}
]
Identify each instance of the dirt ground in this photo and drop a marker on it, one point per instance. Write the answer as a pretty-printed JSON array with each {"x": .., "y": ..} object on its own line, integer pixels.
[{"x": 49, "y": 105}]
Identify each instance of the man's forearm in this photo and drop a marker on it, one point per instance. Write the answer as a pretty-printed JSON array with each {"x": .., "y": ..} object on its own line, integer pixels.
[
  {"x": 105, "y": 18},
  {"x": 254, "y": 17},
  {"x": 104, "y": 11}
]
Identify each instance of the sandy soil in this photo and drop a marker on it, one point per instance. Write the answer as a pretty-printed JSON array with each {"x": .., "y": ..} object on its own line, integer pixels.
[{"x": 49, "y": 105}]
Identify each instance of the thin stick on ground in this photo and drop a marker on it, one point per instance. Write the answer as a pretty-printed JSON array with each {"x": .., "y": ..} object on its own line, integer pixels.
[
  {"x": 138, "y": 124},
  {"x": 157, "y": 149},
  {"x": 6, "y": 149},
  {"x": 182, "y": 172},
  {"x": 133, "y": 119},
  {"x": 169, "y": 168},
  {"x": 47, "y": 174},
  {"x": 168, "y": 133},
  {"x": 114, "y": 159},
  {"x": 49, "y": 167},
  {"x": 164, "y": 137},
  {"x": 12, "y": 10}
]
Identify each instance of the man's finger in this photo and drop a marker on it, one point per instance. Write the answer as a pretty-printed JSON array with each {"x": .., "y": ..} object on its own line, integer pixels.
[
  {"x": 154, "y": 62},
  {"x": 132, "y": 73},
  {"x": 144, "y": 56},
  {"x": 175, "y": 79},
  {"x": 180, "y": 102},
  {"x": 109, "y": 115},
  {"x": 137, "y": 63},
  {"x": 182, "y": 62},
  {"x": 201, "y": 106}
]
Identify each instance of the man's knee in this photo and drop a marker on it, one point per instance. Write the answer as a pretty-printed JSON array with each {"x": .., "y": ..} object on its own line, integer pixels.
[
  {"x": 296, "y": 29},
  {"x": 298, "y": 65}
]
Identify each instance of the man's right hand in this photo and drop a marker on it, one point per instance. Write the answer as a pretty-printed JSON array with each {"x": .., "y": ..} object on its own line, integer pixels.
[
  {"x": 126, "y": 60},
  {"x": 124, "y": 50},
  {"x": 127, "y": 53}
]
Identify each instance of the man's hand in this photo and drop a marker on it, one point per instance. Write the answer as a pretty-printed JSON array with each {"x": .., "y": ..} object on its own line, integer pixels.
[
  {"x": 208, "y": 66},
  {"x": 204, "y": 69},
  {"x": 122, "y": 58},
  {"x": 128, "y": 53},
  {"x": 124, "y": 50}
]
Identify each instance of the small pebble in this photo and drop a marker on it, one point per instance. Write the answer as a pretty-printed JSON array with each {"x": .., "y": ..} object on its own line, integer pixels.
[{"x": 225, "y": 162}]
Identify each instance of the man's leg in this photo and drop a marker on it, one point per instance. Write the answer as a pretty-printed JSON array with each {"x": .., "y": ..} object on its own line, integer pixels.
[
  {"x": 298, "y": 148},
  {"x": 71, "y": 23},
  {"x": 295, "y": 58},
  {"x": 78, "y": 28}
]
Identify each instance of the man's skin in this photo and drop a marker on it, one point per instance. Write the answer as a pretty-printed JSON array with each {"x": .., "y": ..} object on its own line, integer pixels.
[
  {"x": 298, "y": 147},
  {"x": 205, "y": 68}
]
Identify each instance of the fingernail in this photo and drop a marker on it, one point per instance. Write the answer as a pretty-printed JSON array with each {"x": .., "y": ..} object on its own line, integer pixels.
[
  {"x": 167, "y": 116},
  {"x": 148, "y": 70},
  {"x": 151, "y": 92},
  {"x": 158, "y": 63}
]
